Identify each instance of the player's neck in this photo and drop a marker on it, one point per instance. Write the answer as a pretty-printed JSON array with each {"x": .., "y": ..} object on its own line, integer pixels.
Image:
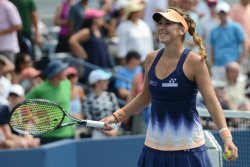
[{"x": 173, "y": 50}]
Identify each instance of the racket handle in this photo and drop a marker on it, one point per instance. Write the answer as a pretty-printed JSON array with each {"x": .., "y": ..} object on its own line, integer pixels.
[
  {"x": 98, "y": 124},
  {"x": 94, "y": 124}
]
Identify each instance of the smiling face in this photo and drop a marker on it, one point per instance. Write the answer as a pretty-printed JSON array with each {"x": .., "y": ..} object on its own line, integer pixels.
[{"x": 168, "y": 31}]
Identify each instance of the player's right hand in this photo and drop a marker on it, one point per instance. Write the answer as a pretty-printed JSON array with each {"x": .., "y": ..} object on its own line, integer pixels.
[{"x": 108, "y": 122}]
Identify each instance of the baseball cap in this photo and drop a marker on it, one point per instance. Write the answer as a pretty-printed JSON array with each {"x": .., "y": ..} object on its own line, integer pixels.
[
  {"x": 17, "y": 89},
  {"x": 93, "y": 13},
  {"x": 71, "y": 71},
  {"x": 30, "y": 72},
  {"x": 222, "y": 7},
  {"x": 97, "y": 75}
]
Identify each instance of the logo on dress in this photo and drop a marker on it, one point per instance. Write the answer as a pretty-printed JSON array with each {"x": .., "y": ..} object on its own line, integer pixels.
[
  {"x": 153, "y": 83},
  {"x": 171, "y": 83}
]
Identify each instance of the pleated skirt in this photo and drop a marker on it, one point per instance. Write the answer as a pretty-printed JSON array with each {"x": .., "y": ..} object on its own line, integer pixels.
[{"x": 196, "y": 157}]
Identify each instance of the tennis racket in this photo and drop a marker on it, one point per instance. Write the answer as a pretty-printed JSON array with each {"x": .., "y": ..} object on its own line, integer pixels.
[{"x": 39, "y": 116}]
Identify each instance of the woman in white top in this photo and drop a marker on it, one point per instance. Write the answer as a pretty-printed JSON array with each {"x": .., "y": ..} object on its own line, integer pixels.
[{"x": 133, "y": 33}]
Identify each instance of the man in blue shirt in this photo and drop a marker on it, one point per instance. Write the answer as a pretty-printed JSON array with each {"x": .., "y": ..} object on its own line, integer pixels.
[
  {"x": 227, "y": 42},
  {"x": 131, "y": 68}
]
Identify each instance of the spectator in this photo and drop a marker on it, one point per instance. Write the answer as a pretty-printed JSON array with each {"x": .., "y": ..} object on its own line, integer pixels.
[
  {"x": 77, "y": 92},
  {"x": 100, "y": 103},
  {"x": 23, "y": 60},
  {"x": 89, "y": 43},
  {"x": 12, "y": 141},
  {"x": 235, "y": 89},
  {"x": 134, "y": 33},
  {"x": 206, "y": 28},
  {"x": 10, "y": 24},
  {"x": 128, "y": 71},
  {"x": 240, "y": 13},
  {"x": 226, "y": 40},
  {"x": 5, "y": 65},
  {"x": 61, "y": 19},
  {"x": 116, "y": 16},
  {"x": 58, "y": 89},
  {"x": 8, "y": 66},
  {"x": 29, "y": 15},
  {"x": 139, "y": 121},
  {"x": 76, "y": 15},
  {"x": 30, "y": 78}
]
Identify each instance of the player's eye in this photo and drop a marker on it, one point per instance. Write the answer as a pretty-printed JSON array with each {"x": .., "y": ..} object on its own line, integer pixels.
[{"x": 165, "y": 23}]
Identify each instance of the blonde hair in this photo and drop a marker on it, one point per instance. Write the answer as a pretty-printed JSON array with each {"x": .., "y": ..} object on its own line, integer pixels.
[{"x": 191, "y": 29}]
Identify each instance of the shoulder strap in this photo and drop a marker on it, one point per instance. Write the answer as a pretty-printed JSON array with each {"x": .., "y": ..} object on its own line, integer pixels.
[
  {"x": 158, "y": 56},
  {"x": 183, "y": 58}
]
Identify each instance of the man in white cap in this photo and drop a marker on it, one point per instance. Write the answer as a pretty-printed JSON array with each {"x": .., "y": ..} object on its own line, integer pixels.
[{"x": 226, "y": 39}]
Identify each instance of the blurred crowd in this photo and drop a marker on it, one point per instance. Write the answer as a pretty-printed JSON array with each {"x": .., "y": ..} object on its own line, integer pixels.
[{"x": 114, "y": 36}]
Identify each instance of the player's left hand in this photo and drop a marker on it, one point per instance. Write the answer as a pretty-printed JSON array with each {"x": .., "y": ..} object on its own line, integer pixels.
[{"x": 229, "y": 145}]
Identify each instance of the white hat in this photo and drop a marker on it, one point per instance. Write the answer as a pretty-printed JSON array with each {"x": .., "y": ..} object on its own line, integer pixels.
[
  {"x": 97, "y": 75},
  {"x": 17, "y": 89},
  {"x": 132, "y": 7},
  {"x": 222, "y": 7}
]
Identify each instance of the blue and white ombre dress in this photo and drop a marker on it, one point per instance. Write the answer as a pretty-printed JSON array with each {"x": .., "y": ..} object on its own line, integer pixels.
[{"x": 174, "y": 135}]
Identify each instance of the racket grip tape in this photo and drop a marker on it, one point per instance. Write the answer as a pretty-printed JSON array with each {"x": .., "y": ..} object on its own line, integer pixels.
[
  {"x": 94, "y": 124},
  {"x": 98, "y": 124}
]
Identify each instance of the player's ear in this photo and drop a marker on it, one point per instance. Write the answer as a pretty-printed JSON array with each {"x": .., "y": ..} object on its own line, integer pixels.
[{"x": 182, "y": 31}]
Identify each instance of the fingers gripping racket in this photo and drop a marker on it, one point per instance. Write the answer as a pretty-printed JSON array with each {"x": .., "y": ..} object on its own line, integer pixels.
[{"x": 39, "y": 116}]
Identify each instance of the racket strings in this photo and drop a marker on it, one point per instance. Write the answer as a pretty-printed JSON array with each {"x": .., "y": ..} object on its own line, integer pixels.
[{"x": 36, "y": 118}]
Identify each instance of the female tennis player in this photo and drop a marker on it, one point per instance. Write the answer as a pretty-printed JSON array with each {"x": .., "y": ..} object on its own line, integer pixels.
[{"x": 173, "y": 76}]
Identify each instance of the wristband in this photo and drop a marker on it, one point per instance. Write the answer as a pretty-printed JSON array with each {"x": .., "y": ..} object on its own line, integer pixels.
[
  {"x": 225, "y": 134},
  {"x": 119, "y": 115}
]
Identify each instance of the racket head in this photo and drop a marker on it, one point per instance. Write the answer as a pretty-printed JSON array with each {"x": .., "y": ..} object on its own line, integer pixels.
[{"x": 36, "y": 117}]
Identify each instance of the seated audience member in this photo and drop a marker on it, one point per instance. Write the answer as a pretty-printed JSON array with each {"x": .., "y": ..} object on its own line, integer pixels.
[
  {"x": 5, "y": 65},
  {"x": 10, "y": 140},
  {"x": 234, "y": 89},
  {"x": 99, "y": 103},
  {"x": 56, "y": 87},
  {"x": 225, "y": 40},
  {"x": 89, "y": 43},
  {"x": 22, "y": 61},
  {"x": 30, "y": 78},
  {"x": 128, "y": 71},
  {"x": 77, "y": 92}
]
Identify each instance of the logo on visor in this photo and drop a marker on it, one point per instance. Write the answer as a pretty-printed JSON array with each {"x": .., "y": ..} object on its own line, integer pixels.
[{"x": 171, "y": 83}]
